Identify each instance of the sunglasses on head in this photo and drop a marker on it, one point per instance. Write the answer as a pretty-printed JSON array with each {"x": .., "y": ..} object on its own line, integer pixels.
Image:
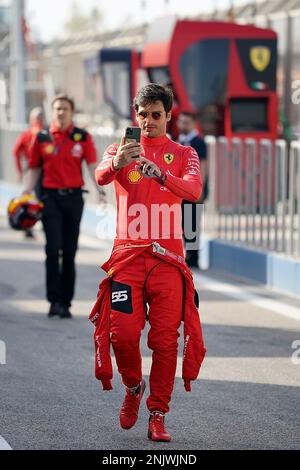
[{"x": 156, "y": 115}]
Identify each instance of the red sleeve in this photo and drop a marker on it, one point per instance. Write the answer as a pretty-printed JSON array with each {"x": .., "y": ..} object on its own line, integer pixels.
[
  {"x": 90, "y": 153},
  {"x": 19, "y": 151},
  {"x": 189, "y": 185},
  {"x": 105, "y": 172},
  {"x": 35, "y": 159}
]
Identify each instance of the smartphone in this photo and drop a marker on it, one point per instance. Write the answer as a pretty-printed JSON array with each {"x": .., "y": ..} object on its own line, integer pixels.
[{"x": 133, "y": 134}]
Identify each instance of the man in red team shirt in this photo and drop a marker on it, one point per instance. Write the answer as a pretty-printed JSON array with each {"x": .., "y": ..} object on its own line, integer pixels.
[
  {"x": 150, "y": 180},
  {"x": 22, "y": 147},
  {"x": 25, "y": 140},
  {"x": 58, "y": 153}
]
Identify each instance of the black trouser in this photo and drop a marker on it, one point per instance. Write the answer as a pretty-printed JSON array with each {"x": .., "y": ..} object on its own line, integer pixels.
[
  {"x": 61, "y": 222},
  {"x": 191, "y": 224}
]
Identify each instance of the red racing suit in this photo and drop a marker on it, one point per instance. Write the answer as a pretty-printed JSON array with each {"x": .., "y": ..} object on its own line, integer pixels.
[{"x": 141, "y": 275}]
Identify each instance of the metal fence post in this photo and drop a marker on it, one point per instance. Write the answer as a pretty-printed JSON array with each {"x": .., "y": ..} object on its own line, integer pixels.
[
  {"x": 292, "y": 197},
  {"x": 224, "y": 187},
  {"x": 236, "y": 184},
  {"x": 297, "y": 146},
  {"x": 295, "y": 197},
  {"x": 280, "y": 192},
  {"x": 266, "y": 160},
  {"x": 211, "y": 155},
  {"x": 250, "y": 167}
]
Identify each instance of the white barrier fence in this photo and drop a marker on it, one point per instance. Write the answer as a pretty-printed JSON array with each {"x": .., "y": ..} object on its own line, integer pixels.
[{"x": 254, "y": 192}]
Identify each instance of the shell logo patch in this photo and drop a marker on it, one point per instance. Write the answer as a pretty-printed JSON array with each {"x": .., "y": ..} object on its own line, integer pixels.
[
  {"x": 77, "y": 137},
  {"x": 134, "y": 176},
  {"x": 260, "y": 57},
  {"x": 49, "y": 149},
  {"x": 168, "y": 158}
]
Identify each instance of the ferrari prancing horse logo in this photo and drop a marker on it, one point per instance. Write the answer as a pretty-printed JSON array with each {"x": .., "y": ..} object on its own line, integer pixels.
[
  {"x": 168, "y": 158},
  {"x": 260, "y": 57}
]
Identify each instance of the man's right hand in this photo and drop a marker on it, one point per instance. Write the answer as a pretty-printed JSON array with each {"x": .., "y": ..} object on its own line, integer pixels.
[{"x": 125, "y": 154}]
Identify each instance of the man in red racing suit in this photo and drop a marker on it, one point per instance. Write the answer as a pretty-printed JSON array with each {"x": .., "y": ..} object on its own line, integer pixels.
[{"x": 147, "y": 267}]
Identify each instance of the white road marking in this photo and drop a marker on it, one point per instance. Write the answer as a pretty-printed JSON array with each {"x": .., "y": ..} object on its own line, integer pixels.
[
  {"x": 258, "y": 370},
  {"x": 239, "y": 293},
  {"x": 80, "y": 308},
  {"x": 87, "y": 241},
  {"x": 4, "y": 445}
]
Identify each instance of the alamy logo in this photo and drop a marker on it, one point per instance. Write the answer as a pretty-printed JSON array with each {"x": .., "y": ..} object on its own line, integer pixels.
[
  {"x": 120, "y": 296},
  {"x": 2, "y": 353},
  {"x": 296, "y": 93},
  {"x": 296, "y": 354}
]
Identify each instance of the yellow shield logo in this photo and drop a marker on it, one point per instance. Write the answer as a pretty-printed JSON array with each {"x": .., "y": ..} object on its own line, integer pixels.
[
  {"x": 260, "y": 57},
  {"x": 77, "y": 137},
  {"x": 168, "y": 158},
  {"x": 134, "y": 176},
  {"x": 49, "y": 149}
]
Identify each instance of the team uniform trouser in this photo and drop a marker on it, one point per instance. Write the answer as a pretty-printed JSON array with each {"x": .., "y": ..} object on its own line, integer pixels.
[
  {"x": 61, "y": 222},
  {"x": 150, "y": 280}
]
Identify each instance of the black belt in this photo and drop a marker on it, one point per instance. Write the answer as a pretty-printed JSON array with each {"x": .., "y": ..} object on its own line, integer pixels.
[{"x": 65, "y": 191}]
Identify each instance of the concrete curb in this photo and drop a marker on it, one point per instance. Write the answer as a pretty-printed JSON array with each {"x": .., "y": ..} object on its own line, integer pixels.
[{"x": 273, "y": 270}]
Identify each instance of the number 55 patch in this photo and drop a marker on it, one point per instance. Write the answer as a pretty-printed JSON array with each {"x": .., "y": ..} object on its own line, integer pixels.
[{"x": 121, "y": 299}]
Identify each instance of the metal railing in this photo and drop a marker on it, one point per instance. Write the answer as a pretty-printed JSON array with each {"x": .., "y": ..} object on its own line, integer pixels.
[{"x": 254, "y": 192}]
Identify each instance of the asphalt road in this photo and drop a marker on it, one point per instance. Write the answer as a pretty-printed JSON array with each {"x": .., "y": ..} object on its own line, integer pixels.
[{"x": 247, "y": 395}]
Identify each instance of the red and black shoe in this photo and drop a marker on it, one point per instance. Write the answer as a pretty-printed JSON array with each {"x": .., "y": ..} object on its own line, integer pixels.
[
  {"x": 130, "y": 408},
  {"x": 156, "y": 429}
]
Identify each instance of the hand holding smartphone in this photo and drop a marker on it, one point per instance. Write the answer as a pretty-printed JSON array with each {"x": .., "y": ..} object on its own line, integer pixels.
[
  {"x": 132, "y": 134},
  {"x": 130, "y": 149}
]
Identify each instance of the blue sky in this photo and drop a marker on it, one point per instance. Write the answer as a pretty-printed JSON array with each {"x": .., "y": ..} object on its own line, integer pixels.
[{"x": 47, "y": 17}]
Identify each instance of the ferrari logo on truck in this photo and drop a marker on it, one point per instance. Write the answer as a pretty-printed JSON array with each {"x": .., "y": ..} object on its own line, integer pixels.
[{"x": 260, "y": 57}]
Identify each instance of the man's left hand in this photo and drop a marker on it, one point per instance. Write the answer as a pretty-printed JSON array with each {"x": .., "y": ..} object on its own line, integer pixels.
[{"x": 148, "y": 169}]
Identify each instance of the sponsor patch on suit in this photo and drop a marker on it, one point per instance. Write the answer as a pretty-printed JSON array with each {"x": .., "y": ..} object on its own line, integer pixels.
[{"x": 121, "y": 299}]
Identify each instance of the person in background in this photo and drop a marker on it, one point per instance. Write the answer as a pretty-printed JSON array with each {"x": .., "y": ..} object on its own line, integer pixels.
[
  {"x": 22, "y": 147},
  {"x": 58, "y": 153},
  {"x": 190, "y": 136}
]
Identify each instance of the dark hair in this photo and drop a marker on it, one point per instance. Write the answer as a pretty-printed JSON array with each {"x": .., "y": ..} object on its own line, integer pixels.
[
  {"x": 154, "y": 92},
  {"x": 189, "y": 114},
  {"x": 64, "y": 97}
]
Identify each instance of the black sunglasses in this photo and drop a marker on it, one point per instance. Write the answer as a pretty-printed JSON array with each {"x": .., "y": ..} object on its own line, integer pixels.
[{"x": 156, "y": 115}]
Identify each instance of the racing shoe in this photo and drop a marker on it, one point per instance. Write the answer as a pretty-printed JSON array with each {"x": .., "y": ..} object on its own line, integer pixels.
[
  {"x": 130, "y": 409},
  {"x": 156, "y": 429}
]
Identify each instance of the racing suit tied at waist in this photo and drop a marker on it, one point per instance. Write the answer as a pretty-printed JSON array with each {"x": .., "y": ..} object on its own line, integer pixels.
[{"x": 194, "y": 349}]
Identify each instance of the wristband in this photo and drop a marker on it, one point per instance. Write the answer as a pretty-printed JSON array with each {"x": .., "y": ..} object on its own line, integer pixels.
[{"x": 162, "y": 178}]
